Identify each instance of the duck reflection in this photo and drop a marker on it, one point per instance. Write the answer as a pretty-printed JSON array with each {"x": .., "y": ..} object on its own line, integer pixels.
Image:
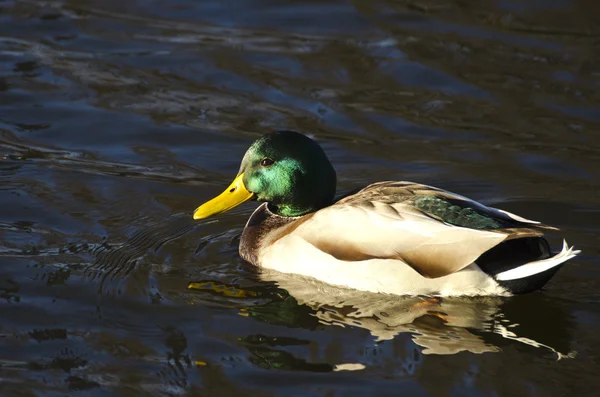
[{"x": 439, "y": 325}]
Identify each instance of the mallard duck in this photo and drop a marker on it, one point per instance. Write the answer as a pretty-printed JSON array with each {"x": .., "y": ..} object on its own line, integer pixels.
[{"x": 400, "y": 238}]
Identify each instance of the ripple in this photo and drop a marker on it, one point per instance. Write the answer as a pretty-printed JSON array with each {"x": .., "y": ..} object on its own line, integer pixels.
[{"x": 118, "y": 118}]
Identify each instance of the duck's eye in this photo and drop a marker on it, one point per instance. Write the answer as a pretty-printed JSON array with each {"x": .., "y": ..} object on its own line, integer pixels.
[{"x": 266, "y": 162}]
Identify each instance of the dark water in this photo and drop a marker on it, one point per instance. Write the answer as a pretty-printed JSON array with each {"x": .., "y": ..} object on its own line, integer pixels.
[{"x": 118, "y": 118}]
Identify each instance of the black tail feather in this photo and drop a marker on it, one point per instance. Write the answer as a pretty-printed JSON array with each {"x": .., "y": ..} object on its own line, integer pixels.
[{"x": 514, "y": 253}]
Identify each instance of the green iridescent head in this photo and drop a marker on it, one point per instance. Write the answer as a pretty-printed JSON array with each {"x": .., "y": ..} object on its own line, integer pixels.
[{"x": 286, "y": 169}]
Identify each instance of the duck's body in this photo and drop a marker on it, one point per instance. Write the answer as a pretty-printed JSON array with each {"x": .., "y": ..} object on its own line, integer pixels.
[
  {"x": 406, "y": 239},
  {"x": 391, "y": 237}
]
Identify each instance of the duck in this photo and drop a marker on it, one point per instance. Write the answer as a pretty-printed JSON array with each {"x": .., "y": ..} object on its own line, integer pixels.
[{"x": 390, "y": 237}]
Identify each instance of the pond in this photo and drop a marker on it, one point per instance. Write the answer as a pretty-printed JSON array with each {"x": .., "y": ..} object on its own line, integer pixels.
[{"x": 118, "y": 118}]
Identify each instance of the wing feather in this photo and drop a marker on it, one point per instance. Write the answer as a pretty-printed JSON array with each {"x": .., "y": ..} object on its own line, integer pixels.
[{"x": 432, "y": 248}]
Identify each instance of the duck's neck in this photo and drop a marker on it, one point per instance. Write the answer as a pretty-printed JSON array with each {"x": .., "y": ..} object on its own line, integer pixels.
[{"x": 291, "y": 210}]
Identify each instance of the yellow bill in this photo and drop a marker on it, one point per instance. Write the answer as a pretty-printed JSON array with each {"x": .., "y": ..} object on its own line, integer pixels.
[{"x": 233, "y": 196}]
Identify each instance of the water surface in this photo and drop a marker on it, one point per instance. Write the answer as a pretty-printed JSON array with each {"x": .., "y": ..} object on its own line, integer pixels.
[{"x": 118, "y": 118}]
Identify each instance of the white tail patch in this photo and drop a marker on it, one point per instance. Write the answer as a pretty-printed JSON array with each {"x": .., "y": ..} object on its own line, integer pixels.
[{"x": 536, "y": 267}]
